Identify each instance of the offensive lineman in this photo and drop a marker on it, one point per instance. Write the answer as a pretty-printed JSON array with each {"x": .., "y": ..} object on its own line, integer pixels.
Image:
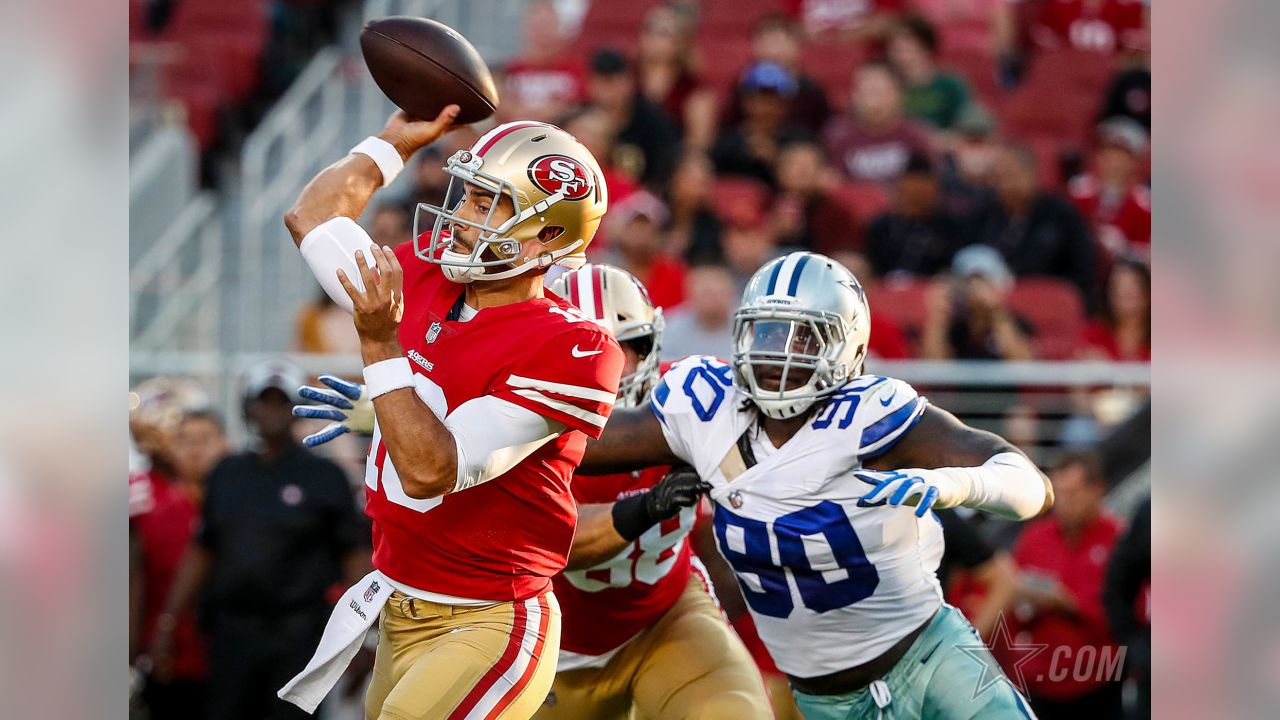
[
  {"x": 640, "y": 625},
  {"x": 485, "y": 391},
  {"x": 814, "y": 468}
]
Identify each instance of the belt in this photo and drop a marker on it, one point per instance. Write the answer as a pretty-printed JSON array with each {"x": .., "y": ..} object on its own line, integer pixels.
[{"x": 859, "y": 676}]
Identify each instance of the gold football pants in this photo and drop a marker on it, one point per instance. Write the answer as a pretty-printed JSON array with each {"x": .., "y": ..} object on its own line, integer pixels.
[
  {"x": 688, "y": 666},
  {"x": 438, "y": 662}
]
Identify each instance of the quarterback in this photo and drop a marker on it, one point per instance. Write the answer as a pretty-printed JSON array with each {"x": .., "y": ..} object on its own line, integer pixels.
[
  {"x": 485, "y": 391},
  {"x": 822, "y": 479},
  {"x": 641, "y": 627}
]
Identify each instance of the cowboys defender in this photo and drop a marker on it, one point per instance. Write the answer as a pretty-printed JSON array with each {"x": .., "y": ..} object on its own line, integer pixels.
[{"x": 822, "y": 480}]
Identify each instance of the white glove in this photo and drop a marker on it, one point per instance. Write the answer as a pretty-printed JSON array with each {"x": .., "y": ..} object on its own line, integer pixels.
[
  {"x": 350, "y": 409},
  {"x": 924, "y": 489}
]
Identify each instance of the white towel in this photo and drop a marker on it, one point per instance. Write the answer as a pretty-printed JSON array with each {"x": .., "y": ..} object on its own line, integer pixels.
[{"x": 343, "y": 635}]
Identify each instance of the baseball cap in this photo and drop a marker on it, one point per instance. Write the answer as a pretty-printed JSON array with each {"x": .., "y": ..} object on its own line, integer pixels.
[
  {"x": 1124, "y": 133},
  {"x": 279, "y": 374},
  {"x": 769, "y": 77},
  {"x": 608, "y": 61},
  {"x": 641, "y": 203},
  {"x": 984, "y": 261}
]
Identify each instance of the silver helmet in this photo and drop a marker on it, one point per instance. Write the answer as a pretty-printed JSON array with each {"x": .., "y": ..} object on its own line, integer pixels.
[
  {"x": 802, "y": 329},
  {"x": 617, "y": 300}
]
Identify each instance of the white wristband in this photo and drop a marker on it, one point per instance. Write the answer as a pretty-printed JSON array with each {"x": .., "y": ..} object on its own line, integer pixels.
[
  {"x": 384, "y": 155},
  {"x": 384, "y": 376}
]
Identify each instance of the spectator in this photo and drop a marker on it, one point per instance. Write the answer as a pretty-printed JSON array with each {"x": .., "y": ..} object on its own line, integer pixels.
[
  {"x": 646, "y": 141},
  {"x": 591, "y": 128},
  {"x": 1113, "y": 198},
  {"x": 928, "y": 94},
  {"x": 279, "y": 531},
  {"x": 1063, "y": 560},
  {"x": 702, "y": 325},
  {"x": 323, "y": 327},
  {"x": 874, "y": 141},
  {"x": 1101, "y": 26},
  {"x": 967, "y": 316},
  {"x": 779, "y": 39},
  {"x": 868, "y": 20},
  {"x": 918, "y": 237},
  {"x": 968, "y": 166},
  {"x": 636, "y": 245},
  {"x": 1124, "y": 330},
  {"x": 806, "y": 214},
  {"x": 748, "y": 240},
  {"x": 665, "y": 69},
  {"x": 1126, "y": 596},
  {"x": 970, "y": 565},
  {"x": 199, "y": 444},
  {"x": 1129, "y": 95},
  {"x": 751, "y": 147},
  {"x": 1038, "y": 233},
  {"x": 392, "y": 224},
  {"x": 545, "y": 78},
  {"x": 694, "y": 230}
]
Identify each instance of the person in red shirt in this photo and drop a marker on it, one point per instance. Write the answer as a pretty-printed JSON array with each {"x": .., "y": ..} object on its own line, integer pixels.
[
  {"x": 637, "y": 245},
  {"x": 874, "y": 141},
  {"x": 484, "y": 389},
  {"x": 544, "y": 79},
  {"x": 1124, "y": 330},
  {"x": 642, "y": 627},
  {"x": 1113, "y": 197},
  {"x": 1063, "y": 559}
]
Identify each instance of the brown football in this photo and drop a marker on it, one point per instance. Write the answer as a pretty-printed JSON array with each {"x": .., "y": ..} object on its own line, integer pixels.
[{"x": 422, "y": 65}]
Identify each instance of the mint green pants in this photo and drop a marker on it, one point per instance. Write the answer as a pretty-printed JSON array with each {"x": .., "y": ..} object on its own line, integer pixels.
[{"x": 947, "y": 674}]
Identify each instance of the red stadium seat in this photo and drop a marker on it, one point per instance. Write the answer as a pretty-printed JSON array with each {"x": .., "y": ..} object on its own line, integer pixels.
[
  {"x": 866, "y": 199},
  {"x": 737, "y": 16},
  {"x": 723, "y": 59},
  {"x": 901, "y": 300},
  {"x": 739, "y": 197},
  {"x": 1056, "y": 311}
]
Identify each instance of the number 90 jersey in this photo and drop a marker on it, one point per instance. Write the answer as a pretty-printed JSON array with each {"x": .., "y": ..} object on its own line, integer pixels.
[{"x": 830, "y": 585}]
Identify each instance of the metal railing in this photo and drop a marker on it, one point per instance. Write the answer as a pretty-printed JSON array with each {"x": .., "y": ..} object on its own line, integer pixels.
[{"x": 174, "y": 287}]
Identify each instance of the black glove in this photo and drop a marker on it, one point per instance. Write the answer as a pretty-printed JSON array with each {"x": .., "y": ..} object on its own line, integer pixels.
[{"x": 679, "y": 488}]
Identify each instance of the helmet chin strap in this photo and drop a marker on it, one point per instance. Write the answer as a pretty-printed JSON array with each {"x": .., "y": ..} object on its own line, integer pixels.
[{"x": 467, "y": 274}]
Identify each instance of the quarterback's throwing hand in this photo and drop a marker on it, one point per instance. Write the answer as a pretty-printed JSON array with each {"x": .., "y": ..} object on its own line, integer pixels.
[
  {"x": 925, "y": 489},
  {"x": 348, "y": 406},
  {"x": 379, "y": 303}
]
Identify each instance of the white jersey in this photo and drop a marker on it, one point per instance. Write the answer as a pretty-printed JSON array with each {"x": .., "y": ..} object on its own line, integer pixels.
[{"x": 830, "y": 585}]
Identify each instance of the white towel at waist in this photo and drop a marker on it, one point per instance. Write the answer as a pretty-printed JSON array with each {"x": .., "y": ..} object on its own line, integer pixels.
[{"x": 343, "y": 635}]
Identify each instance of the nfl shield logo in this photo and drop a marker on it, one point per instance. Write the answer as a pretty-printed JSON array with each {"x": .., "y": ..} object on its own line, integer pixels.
[
  {"x": 735, "y": 499},
  {"x": 433, "y": 332},
  {"x": 373, "y": 590}
]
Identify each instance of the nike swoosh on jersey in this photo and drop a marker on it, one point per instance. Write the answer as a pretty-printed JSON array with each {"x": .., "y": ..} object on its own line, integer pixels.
[
  {"x": 584, "y": 353},
  {"x": 885, "y": 402}
]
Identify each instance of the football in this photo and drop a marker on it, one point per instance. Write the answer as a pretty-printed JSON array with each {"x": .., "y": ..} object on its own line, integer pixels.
[{"x": 422, "y": 66}]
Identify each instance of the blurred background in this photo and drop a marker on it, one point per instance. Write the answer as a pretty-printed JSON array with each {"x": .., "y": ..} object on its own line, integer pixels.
[{"x": 983, "y": 166}]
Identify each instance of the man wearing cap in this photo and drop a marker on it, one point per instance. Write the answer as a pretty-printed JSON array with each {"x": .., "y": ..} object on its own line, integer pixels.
[
  {"x": 646, "y": 141},
  {"x": 750, "y": 148},
  {"x": 638, "y": 246},
  {"x": 967, "y": 315},
  {"x": 279, "y": 530},
  {"x": 1113, "y": 197}
]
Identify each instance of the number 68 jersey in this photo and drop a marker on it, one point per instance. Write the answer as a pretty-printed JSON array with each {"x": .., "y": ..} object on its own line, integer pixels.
[{"x": 830, "y": 585}]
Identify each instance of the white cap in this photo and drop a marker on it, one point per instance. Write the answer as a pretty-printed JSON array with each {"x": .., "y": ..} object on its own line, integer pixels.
[{"x": 279, "y": 374}]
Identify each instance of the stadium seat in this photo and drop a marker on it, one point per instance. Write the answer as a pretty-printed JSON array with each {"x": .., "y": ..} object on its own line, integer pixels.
[
  {"x": 902, "y": 300},
  {"x": 866, "y": 199},
  {"x": 736, "y": 17},
  {"x": 736, "y": 197},
  {"x": 1056, "y": 311},
  {"x": 723, "y": 58}
]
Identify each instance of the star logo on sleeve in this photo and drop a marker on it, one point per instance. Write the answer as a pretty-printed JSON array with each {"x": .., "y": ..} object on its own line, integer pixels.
[{"x": 1002, "y": 640}]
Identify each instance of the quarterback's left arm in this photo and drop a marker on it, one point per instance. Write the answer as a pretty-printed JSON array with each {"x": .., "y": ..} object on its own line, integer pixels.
[{"x": 952, "y": 464}]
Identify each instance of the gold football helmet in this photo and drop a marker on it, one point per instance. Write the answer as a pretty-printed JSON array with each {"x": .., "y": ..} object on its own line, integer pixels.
[
  {"x": 615, "y": 299},
  {"x": 556, "y": 189}
]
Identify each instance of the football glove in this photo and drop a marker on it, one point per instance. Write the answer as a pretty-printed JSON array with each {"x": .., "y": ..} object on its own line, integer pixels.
[
  {"x": 678, "y": 489},
  {"x": 923, "y": 489},
  {"x": 348, "y": 406}
]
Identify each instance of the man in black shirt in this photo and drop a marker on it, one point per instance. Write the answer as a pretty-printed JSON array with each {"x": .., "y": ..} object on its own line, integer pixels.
[
  {"x": 644, "y": 135},
  {"x": 918, "y": 236},
  {"x": 279, "y": 532}
]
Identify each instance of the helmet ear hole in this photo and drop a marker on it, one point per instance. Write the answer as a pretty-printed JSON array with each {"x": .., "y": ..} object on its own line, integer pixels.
[{"x": 550, "y": 232}]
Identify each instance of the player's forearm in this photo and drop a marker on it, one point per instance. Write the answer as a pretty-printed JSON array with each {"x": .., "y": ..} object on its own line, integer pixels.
[
  {"x": 632, "y": 440},
  {"x": 341, "y": 190},
  {"x": 190, "y": 577},
  {"x": 596, "y": 539},
  {"x": 417, "y": 441}
]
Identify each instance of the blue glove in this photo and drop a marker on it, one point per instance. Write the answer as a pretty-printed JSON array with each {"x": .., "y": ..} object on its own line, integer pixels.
[
  {"x": 921, "y": 488},
  {"x": 348, "y": 406}
]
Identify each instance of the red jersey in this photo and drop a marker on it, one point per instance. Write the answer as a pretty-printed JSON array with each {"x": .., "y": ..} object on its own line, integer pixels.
[
  {"x": 557, "y": 84},
  {"x": 1092, "y": 25},
  {"x": 163, "y": 519},
  {"x": 1081, "y": 567},
  {"x": 1120, "y": 223},
  {"x": 504, "y": 539},
  {"x": 607, "y": 605}
]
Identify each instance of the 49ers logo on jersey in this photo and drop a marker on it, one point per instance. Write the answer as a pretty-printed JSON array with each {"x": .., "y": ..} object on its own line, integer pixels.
[{"x": 561, "y": 173}]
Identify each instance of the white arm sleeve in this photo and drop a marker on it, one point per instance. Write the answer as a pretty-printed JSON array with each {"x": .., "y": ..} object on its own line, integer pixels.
[
  {"x": 1007, "y": 485},
  {"x": 493, "y": 435},
  {"x": 332, "y": 245}
]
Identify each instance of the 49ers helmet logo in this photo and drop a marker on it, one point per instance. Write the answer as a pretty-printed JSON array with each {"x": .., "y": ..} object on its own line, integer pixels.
[{"x": 561, "y": 173}]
